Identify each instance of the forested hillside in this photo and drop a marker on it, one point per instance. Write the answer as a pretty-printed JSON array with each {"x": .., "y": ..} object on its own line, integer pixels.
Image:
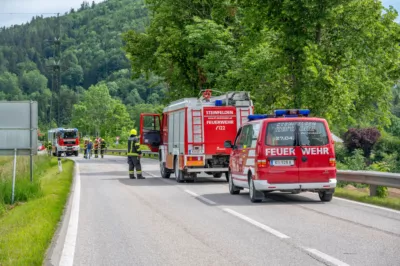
[{"x": 91, "y": 53}]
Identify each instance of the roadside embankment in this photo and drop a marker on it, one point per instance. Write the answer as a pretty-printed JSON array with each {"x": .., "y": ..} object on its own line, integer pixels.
[{"x": 27, "y": 227}]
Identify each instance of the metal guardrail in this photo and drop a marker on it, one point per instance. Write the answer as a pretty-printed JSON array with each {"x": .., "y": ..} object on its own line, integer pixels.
[
  {"x": 372, "y": 178},
  {"x": 124, "y": 152}
]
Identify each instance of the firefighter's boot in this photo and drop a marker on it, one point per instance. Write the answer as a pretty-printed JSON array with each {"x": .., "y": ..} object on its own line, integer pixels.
[
  {"x": 139, "y": 176},
  {"x": 132, "y": 176}
]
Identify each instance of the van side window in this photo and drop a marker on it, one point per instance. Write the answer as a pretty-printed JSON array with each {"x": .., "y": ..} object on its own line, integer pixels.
[
  {"x": 245, "y": 137},
  {"x": 254, "y": 135}
]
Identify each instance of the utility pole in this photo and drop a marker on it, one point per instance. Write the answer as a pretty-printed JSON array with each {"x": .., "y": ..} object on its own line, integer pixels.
[{"x": 56, "y": 74}]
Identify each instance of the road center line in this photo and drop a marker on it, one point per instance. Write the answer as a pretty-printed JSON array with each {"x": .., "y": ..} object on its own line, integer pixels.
[
  {"x": 200, "y": 197},
  {"x": 258, "y": 224},
  {"x": 326, "y": 257},
  {"x": 68, "y": 253}
]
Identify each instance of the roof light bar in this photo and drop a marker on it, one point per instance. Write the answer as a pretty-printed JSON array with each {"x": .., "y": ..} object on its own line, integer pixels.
[
  {"x": 292, "y": 112},
  {"x": 256, "y": 117}
]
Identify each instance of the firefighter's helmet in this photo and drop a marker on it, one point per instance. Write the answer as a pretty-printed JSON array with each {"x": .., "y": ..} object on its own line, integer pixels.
[{"x": 133, "y": 132}]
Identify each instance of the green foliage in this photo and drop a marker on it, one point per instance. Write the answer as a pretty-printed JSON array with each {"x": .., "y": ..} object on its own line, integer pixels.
[
  {"x": 97, "y": 112},
  {"x": 356, "y": 161}
]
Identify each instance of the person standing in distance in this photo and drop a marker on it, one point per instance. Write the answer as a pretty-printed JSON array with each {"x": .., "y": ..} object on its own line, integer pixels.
[{"x": 134, "y": 154}]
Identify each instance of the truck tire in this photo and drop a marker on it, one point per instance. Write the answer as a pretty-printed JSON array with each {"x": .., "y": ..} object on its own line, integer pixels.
[
  {"x": 217, "y": 175},
  {"x": 164, "y": 171},
  {"x": 76, "y": 154},
  {"x": 178, "y": 173},
  {"x": 324, "y": 196},
  {"x": 234, "y": 190}
]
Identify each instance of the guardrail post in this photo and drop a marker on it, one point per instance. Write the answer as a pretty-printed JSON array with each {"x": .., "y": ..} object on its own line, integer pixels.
[{"x": 372, "y": 190}]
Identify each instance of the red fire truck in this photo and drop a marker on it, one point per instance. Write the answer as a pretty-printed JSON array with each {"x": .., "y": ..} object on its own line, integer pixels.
[
  {"x": 190, "y": 134},
  {"x": 64, "y": 140}
]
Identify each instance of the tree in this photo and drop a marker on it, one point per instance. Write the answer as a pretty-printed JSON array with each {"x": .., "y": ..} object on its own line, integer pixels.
[
  {"x": 183, "y": 44},
  {"x": 9, "y": 86},
  {"x": 99, "y": 113},
  {"x": 33, "y": 81}
]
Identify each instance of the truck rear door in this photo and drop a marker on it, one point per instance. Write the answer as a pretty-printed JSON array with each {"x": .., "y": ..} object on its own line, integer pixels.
[
  {"x": 150, "y": 131},
  {"x": 219, "y": 125}
]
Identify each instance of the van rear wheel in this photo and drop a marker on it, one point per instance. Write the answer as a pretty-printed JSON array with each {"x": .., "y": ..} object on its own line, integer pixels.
[
  {"x": 255, "y": 196},
  {"x": 325, "y": 196}
]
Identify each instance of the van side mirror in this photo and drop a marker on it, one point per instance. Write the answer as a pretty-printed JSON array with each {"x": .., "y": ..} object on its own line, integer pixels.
[{"x": 228, "y": 144}]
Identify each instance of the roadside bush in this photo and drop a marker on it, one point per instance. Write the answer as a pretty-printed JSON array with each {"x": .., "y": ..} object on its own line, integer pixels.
[
  {"x": 387, "y": 146},
  {"x": 354, "y": 162},
  {"x": 361, "y": 138},
  {"x": 340, "y": 152}
]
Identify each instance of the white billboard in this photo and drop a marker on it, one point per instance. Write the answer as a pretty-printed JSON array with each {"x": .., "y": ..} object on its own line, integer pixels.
[{"x": 18, "y": 128}]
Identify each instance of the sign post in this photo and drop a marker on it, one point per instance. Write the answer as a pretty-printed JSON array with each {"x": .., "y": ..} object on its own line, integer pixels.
[{"x": 18, "y": 132}]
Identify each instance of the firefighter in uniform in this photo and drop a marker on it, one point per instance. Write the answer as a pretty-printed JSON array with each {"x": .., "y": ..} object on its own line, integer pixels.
[
  {"x": 85, "y": 149},
  {"x": 49, "y": 148},
  {"x": 96, "y": 148},
  {"x": 103, "y": 146},
  {"x": 134, "y": 154}
]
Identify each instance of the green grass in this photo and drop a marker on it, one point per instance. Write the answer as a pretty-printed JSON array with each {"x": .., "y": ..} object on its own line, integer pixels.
[
  {"x": 24, "y": 189},
  {"x": 26, "y": 230},
  {"x": 393, "y": 203}
]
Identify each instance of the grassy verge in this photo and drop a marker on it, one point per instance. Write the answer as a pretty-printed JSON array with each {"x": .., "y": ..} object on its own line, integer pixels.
[
  {"x": 393, "y": 203},
  {"x": 26, "y": 231},
  {"x": 24, "y": 189}
]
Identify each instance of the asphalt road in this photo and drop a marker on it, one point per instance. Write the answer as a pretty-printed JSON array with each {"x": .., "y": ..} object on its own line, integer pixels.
[{"x": 160, "y": 222}]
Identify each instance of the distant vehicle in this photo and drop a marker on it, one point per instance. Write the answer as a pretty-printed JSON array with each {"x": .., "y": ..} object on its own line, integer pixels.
[
  {"x": 41, "y": 147},
  {"x": 189, "y": 136},
  {"x": 288, "y": 152},
  {"x": 64, "y": 140}
]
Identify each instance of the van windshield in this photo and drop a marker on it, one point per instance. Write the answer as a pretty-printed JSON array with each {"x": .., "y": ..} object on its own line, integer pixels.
[{"x": 284, "y": 134}]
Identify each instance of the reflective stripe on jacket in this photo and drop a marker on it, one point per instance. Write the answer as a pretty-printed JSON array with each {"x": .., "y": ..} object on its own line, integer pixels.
[{"x": 134, "y": 147}]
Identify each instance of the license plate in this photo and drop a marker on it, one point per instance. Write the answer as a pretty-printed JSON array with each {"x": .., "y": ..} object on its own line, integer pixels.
[{"x": 282, "y": 162}]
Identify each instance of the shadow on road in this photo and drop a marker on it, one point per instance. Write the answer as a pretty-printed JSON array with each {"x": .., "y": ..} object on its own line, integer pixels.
[{"x": 242, "y": 199}]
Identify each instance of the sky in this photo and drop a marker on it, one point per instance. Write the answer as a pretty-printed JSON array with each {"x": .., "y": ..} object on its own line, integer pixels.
[
  {"x": 38, "y": 7},
  {"x": 34, "y": 8}
]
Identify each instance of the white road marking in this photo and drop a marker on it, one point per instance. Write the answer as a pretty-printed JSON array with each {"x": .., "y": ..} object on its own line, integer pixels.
[
  {"x": 150, "y": 174},
  {"x": 326, "y": 257},
  {"x": 258, "y": 224},
  {"x": 368, "y": 205},
  {"x": 68, "y": 253},
  {"x": 200, "y": 197}
]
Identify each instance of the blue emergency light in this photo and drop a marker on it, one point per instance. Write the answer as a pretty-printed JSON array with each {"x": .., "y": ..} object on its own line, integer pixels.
[
  {"x": 256, "y": 117},
  {"x": 218, "y": 102},
  {"x": 292, "y": 112}
]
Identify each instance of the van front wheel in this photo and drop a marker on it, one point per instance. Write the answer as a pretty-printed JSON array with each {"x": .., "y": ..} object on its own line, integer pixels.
[
  {"x": 234, "y": 190},
  {"x": 325, "y": 196}
]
